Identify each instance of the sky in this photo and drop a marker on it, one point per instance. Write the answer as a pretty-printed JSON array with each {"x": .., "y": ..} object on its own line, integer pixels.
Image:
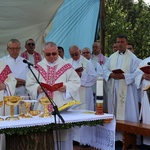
[{"x": 146, "y": 1}]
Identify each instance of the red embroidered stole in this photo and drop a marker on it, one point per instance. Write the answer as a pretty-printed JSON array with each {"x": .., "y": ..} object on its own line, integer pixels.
[
  {"x": 101, "y": 59},
  {"x": 4, "y": 74},
  {"x": 37, "y": 56},
  {"x": 51, "y": 75},
  {"x": 25, "y": 55}
]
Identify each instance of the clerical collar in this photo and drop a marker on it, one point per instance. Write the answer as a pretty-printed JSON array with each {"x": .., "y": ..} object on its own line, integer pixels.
[{"x": 121, "y": 53}]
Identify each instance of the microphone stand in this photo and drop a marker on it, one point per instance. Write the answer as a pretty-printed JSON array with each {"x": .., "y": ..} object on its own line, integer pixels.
[{"x": 55, "y": 108}]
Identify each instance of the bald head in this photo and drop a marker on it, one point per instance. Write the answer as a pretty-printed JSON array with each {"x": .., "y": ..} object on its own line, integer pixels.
[{"x": 96, "y": 48}]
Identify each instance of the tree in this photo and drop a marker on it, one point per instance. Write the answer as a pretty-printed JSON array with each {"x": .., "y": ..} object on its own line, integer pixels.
[{"x": 130, "y": 19}]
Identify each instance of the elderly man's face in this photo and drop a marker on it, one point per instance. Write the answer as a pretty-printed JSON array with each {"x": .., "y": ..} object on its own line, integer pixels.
[
  {"x": 14, "y": 49},
  {"x": 51, "y": 53},
  {"x": 96, "y": 48},
  {"x": 75, "y": 53},
  {"x": 30, "y": 46},
  {"x": 86, "y": 53}
]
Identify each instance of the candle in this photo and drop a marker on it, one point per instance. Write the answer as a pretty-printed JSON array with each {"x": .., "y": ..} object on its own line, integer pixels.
[
  {"x": 99, "y": 96},
  {"x": 99, "y": 87}
]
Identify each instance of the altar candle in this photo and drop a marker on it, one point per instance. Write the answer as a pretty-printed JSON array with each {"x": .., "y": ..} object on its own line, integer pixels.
[
  {"x": 99, "y": 96},
  {"x": 99, "y": 89}
]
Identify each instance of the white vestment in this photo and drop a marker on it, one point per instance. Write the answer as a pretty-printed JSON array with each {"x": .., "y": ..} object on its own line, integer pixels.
[
  {"x": 88, "y": 79},
  {"x": 59, "y": 71},
  {"x": 145, "y": 105},
  {"x": 19, "y": 70},
  {"x": 99, "y": 72},
  {"x": 8, "y": 79},
  {"x": 128, "y": 62}
]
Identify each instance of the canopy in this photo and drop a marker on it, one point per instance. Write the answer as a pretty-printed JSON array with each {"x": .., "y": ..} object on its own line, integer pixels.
[
  {"x": 24, "y": 20},
  {"x": 64, "y": 22}
]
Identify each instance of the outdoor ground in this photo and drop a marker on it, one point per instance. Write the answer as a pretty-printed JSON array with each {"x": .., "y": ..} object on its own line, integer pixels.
[
  {"x": 117, "y": 147},
  {"x": 78, "y": 147}
]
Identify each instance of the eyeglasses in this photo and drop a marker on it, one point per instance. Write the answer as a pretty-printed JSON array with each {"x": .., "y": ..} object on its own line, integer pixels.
[
  {"x": 14, "y": 48},
  {"x": 49, "y": 54},
  {"x": 31, "y": 44},
  {"x": 75, "y": 54},
  {"x": 85, "y": 52}
]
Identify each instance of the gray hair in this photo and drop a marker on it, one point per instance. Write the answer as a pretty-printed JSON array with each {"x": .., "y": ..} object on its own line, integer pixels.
[
  {"x": 50, "y": 44},
  {"x": 13, "y": 41},
  {"x": 74, "y": 46}
]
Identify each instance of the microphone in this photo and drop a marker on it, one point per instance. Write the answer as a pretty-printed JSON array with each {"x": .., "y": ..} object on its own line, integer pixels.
[
  {"x": 29, "y": 63},
  {"x": 148, "y": 63}
]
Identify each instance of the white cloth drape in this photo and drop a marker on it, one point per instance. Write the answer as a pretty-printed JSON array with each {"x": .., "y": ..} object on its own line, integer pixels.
[
  {"x": 24, "y": 20},
  {"x": 75, "y": 23}
]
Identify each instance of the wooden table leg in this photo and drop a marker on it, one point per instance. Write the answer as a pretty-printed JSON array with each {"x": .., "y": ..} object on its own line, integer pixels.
[{"x": 129, "y": 139}]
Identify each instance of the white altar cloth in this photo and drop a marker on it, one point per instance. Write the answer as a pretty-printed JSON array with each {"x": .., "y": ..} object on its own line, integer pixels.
[
  {"x": 68, "y": 116},
  {"x": 101, "y": 137}
]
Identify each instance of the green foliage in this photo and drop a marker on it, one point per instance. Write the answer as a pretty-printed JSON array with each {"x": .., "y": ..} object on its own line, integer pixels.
[
  {"x": 52, "y": 126},
  {"x": 130, "y": 19}
]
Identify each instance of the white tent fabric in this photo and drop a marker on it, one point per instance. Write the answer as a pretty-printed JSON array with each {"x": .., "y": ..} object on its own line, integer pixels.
[
  {"x": 75, "y": 23},
  {"x": 25, "y": 19}
]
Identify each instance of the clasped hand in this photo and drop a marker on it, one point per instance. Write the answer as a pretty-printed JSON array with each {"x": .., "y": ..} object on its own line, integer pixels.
[
  {"x": 117, "y": 76},
  {"x": 2, "y": 86},
  {"x": 146, "y": 76},
  {"x": 20, "y": 82},
  {"x": 61, "y": 89}
]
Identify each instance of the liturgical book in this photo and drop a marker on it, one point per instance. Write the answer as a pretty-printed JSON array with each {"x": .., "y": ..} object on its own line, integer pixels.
[
  {"x": 80, "y": 69},
  {"x": 117, "y": 71},
  {"x": 52, "y": 88},
  {"x": 68, "y": 105},
  {"x": 146, "y": 69}
]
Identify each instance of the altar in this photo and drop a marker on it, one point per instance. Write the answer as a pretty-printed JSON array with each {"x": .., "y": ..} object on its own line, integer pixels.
[{"x": 95, "y": 129}]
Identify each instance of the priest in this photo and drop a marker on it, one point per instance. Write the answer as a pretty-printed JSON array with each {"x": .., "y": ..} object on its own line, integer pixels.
[
  {"x": 142, "y": 80},
  {"x": 18, "y": 68},
  {"x": 87, "y": 74},
  {"x": 122, "y": 100},
  {"x": 51, "y": 70},
  {"x": 7, "y": 88}
]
